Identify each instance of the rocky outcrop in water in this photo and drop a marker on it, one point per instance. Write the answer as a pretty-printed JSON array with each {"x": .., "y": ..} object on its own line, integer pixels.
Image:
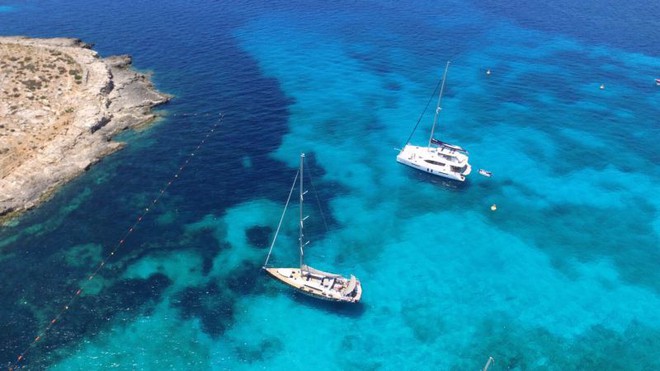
[{"x": 60, "y": 106}]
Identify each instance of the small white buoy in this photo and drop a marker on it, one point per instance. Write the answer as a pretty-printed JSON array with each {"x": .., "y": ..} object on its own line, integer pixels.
[
  {"x": 493, "y": 207},
  {"x": 488, "y": 71},
  {"x": 602, "y": 86}
]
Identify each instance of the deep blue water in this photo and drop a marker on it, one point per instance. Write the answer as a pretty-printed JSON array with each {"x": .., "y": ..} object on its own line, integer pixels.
[{"x": 562, "y": 276}]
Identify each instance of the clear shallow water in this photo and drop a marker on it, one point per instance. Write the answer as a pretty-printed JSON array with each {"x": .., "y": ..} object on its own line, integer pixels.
[{"x": 563, "y": 276}]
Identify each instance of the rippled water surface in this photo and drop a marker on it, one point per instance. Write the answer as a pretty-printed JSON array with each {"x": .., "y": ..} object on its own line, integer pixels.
[{"x": 564, "y": 275}]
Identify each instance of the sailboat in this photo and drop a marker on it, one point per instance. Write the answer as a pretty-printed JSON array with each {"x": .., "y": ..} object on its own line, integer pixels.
[
  {"x": 438, "y": 158},
  {"x": 310, "y": 281}
]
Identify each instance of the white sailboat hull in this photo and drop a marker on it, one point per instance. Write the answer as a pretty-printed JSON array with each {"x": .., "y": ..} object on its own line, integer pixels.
[
  {"x": 310, "y": 281},
  {"x": 441, "y": 161},
  {"x": 321, "y": 285}
]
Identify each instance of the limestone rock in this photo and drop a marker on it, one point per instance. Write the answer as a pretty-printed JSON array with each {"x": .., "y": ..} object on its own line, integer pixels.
[{"x": 60, "y": 104}]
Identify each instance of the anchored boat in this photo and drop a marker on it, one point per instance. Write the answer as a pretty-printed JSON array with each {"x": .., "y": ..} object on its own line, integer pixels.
[
  {"x": 308, "y": 280},
  {"x": 437, "y": 158}
]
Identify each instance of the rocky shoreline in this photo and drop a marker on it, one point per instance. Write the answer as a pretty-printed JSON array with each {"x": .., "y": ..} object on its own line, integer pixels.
[{"x": 60, "y": 106}]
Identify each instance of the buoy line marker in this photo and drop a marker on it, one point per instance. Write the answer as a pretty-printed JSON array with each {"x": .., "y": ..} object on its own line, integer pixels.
[{"x": 120, "y": 243}]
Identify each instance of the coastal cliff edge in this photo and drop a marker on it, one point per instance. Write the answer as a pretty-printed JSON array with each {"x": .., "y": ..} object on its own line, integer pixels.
[{"x": 60, "y": 106}]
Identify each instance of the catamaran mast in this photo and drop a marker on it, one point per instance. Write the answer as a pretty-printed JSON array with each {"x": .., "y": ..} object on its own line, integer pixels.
[{"x": 437, "y": 107}]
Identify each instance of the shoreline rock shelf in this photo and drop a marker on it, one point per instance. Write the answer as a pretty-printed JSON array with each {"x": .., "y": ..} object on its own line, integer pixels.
[{"x": 60, "y": 106}]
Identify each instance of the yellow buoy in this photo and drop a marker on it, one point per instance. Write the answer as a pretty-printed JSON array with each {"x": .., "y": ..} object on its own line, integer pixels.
[{"x": 493, "y": 207}]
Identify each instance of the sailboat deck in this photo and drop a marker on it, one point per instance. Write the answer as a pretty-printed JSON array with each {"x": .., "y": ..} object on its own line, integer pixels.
[{"x": 328, "y": 287}]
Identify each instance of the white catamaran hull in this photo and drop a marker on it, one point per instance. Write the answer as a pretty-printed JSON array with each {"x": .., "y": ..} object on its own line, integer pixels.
[{"x": 436, "y": 160}]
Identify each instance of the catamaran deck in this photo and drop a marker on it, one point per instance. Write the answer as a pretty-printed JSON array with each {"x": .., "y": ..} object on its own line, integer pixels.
[{"x": 443, "y": 161}]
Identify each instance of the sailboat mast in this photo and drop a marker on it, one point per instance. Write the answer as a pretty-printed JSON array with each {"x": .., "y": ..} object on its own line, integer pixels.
[
  {"x": 437, "y": 107},
  {"x": 300, "y": 233}
]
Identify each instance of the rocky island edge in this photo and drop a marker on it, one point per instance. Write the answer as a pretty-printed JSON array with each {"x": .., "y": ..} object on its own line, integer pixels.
[{"x": 60, "y": 106}]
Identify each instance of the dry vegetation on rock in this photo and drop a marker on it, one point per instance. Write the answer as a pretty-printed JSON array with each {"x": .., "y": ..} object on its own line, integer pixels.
[{"x": 60, "y": 105}]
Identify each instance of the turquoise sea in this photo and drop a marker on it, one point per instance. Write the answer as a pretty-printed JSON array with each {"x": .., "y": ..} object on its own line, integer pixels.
[{"x": 565, "y": 275}]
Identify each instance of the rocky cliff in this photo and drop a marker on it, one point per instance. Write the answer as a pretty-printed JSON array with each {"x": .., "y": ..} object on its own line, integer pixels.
[{"x": 60, "y": 106}]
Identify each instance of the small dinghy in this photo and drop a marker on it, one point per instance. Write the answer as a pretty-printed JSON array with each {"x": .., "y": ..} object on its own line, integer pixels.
[{"x": 485, "y": 173}]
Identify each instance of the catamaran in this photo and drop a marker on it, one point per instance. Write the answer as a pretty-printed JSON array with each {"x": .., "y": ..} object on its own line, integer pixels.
[
  {"x": 310, "y": 281},
  {"x": 438, "y": 158}
]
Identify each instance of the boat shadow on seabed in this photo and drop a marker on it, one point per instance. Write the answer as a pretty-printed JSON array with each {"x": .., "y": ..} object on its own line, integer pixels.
[
  {"x": 352, "y": 310},
  {"x": 449, "y": 184}
]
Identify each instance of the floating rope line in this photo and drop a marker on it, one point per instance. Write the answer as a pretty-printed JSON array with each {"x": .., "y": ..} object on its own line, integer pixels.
[
  {"x": 188, "y": 114},
  {"x": 119, "y": 244}
]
